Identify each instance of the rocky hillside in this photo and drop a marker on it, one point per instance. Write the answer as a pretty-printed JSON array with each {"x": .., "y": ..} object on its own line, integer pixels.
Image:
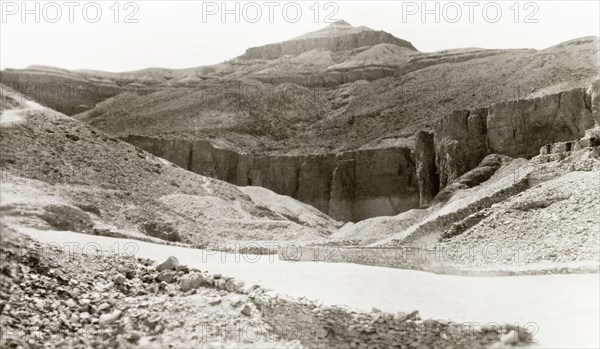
[
  {"x": 307, "y": 119},
  {"x": 382, "y": 112},
  {"x": 307, "y": 97},
  {"x": 365, "y": 183},
  {"x": 68, "y": 175}
]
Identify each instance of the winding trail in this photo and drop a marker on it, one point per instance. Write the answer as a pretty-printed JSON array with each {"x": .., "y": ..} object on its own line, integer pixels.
[{"x": 563, "y": 310}]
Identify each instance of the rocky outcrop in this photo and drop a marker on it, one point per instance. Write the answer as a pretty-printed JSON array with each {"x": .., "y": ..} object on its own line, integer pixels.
[
  {"x": 350, "y": 186},
  {"x": 460, "y": 143},
  {"x": 594, "y": 94},
  {"x": 330, "y": 78},
  {"x": 333, "y": 43},
  {"x": 426, "y": 170},
  {"x": 519, "y": 128},
  {"x": 515, "y": 128}
]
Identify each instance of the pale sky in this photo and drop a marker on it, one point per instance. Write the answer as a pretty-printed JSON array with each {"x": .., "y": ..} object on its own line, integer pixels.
[{"x": 173, "y": 34}]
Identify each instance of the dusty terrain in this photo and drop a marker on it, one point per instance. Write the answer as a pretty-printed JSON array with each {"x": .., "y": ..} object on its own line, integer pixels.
[{"x": 62, "y": 170}]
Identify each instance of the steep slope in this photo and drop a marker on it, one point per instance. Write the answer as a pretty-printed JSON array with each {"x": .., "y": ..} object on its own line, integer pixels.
[{"x": 72, "y": 176}]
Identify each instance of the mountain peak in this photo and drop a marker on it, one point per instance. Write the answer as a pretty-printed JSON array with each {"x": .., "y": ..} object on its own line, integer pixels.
[
  {"x": 337, "y": 28},
  {"x": 340, "y": 22}
]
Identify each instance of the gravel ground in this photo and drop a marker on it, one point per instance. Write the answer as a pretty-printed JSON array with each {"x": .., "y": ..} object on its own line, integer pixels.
[{"x": 52, "y": 298}]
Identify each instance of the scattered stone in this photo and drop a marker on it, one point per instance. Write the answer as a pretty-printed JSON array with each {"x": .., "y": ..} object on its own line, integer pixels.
[
  {"x": 120, "y": 279},
  {"x": 191, "y": 281},
  {"x": 214, "y": 300},
  {"x": 247, "y": 311},
  {"x": 107, "y": 319},
  {"x": 170, "y": 263},
  {"x": 230, "y": 285},
  {"x": 167, "y": 276},
  {"x": 183, "y": 268},
  {"x": 103, "y": 307},
  {"x": 220, "y": 284}
]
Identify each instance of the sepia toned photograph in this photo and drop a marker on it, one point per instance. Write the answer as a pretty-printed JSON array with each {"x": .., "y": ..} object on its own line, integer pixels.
[{"x": 299, "y": 174}]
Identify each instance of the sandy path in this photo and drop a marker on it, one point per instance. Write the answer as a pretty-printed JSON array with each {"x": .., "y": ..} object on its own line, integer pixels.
[{"x": 564, "y": 308}]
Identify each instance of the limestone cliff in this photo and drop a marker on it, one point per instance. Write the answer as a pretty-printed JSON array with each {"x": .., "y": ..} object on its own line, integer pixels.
[
  {"x": 427, "y": 174},
  {"x": 333, "y": 43},
  {"x": 349, "y": 186},
  {"x": 515, "y": 128}
]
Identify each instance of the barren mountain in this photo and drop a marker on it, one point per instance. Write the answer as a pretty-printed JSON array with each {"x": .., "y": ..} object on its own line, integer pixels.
[
  {"x": 336, "y": 89},
  {"x": 382, "y": 112},
  {"x": 329, "y": 118}
]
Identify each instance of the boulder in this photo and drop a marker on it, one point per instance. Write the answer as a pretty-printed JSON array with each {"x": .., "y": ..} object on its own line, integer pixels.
[
  {"x": 246, "y": 310},
  {"x": 167, "y": 276},
  {"x": 191, "y": 281},
  {"x": 170, "y": 263},
  {"x": 233, "y": 285}
]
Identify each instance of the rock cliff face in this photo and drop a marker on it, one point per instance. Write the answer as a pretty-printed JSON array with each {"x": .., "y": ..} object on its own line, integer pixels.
[
  {"x": 460, "y": 143},
  {"x": 594, "y": 93},
  {"x": 516, "y": 129},
  {"x": 427, "y": 175},
  {"x": 361, "y": 184},
  {"x": 350, "y": 186},
  {"x": 333, "y": 43},
  {"x": 519, "y": 128},
  {"x": 330, "y": 78}
]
